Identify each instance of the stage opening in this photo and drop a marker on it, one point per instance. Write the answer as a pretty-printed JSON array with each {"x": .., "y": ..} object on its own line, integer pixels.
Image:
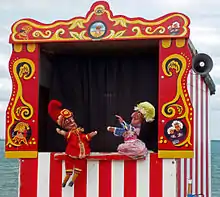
[{"x": 96, "y": 81}]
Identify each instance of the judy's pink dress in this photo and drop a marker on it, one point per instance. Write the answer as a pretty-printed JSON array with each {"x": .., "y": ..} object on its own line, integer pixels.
[{"x": 132, "y": 146}]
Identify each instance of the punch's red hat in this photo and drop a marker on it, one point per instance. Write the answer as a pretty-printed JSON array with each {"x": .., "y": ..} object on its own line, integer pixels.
[{"x": 55, "y": 110}]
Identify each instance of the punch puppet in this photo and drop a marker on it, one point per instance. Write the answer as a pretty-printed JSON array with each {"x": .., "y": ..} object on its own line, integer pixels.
[
  {"x": 132, "y": 146},
  {"x": 77, "y": 142}
]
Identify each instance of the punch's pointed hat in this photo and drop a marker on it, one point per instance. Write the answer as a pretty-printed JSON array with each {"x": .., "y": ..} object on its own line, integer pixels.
[
  {"x": 147, "y": 110},
  {"x": 55, "y": 110}
]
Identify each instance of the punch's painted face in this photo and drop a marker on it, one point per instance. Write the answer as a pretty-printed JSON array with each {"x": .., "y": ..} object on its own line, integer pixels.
[
  {"x": 137, "y": 118},
  {"x": 67, "y": 123}
]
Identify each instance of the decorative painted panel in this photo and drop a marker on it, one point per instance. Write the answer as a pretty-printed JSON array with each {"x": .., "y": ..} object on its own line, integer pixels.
[
  {"x": 175, "y": 124},
  {"x": 101, "y": 24},
  {"x": 22, "y": 111}
]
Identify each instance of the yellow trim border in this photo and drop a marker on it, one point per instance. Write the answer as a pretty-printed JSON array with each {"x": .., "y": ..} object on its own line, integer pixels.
[
  {"x": 173, "y": 154},
  {"x": 21, "y": 154}
]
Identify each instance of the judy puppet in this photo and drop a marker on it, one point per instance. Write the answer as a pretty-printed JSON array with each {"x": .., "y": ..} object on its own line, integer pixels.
[{"x": 132, "y": 146}]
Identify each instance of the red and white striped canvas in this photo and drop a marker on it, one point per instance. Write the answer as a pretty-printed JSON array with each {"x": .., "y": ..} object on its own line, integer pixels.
[
  {"x": 198, "y": 168},
  {"x": 152, "y": 177}
]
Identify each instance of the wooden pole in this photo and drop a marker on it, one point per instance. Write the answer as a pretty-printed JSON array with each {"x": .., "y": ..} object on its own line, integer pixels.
[{"x": 189, "y": 187}]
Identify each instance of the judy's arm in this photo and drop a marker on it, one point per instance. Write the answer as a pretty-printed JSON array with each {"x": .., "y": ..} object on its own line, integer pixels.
[
  {"x": 125, "y": 125},
  {"x": 116, "y": 130}
]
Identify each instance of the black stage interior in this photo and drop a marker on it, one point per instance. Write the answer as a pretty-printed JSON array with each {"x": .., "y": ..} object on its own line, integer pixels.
[{"x": 96, "y": 85}]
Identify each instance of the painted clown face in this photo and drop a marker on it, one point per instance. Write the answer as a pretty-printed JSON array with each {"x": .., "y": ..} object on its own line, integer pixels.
[
  {"x": 137, "y": 118},
  {"x": 171, "y": 131},
  {"x": 177, "y": 125}
]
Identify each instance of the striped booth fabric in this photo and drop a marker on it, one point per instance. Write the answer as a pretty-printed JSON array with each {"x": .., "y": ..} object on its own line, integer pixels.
[{"x": 150, "y": 177}]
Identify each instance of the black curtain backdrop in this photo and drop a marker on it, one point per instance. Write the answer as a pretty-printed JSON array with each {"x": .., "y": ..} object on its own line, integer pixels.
[{"x": 98, "y": 86}]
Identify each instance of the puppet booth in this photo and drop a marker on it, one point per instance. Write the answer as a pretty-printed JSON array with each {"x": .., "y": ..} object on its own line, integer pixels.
[{"x": 109, "y": 106}]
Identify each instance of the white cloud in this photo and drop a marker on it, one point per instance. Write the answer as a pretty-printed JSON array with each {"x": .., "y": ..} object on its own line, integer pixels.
[
  {"x": 4, "y": 72},
  {"x": 172, "y": 4},
  {"x": 5, "y": 84},
  {"x": 2, "y": 124},
  {"x": 210, "y": 39},
  {"x": 5, "y": 47},
  {"x": 5, "y": 89},
  {"x": 4, "y": 59},
  {"x": 3, "y": 106},
  {"x": 215, "y": 100},
  {"x": 215, "y": 72},
  {"x": 26, "y": 4},
  {"x": 214, "y": 120},
  {"x": 4, "y": 33}
]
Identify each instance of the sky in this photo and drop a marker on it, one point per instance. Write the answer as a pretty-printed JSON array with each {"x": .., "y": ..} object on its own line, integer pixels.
[{"x": 205, "y": 32}]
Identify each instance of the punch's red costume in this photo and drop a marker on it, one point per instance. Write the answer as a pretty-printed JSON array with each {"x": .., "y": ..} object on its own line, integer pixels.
[{"x": 77, "y": 142}]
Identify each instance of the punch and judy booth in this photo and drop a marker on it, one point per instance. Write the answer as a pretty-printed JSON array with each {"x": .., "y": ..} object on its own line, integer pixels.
[{"x": 99, "y": 65}]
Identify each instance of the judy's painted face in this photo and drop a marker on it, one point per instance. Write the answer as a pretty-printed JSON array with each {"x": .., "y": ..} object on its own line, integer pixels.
[{"x": 137, "y": 118}]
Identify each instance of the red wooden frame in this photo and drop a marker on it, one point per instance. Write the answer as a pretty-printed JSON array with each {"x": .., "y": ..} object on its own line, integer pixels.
[
  {"x": 100, "y": 24},
  {"x": 174, "y": 101}
]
